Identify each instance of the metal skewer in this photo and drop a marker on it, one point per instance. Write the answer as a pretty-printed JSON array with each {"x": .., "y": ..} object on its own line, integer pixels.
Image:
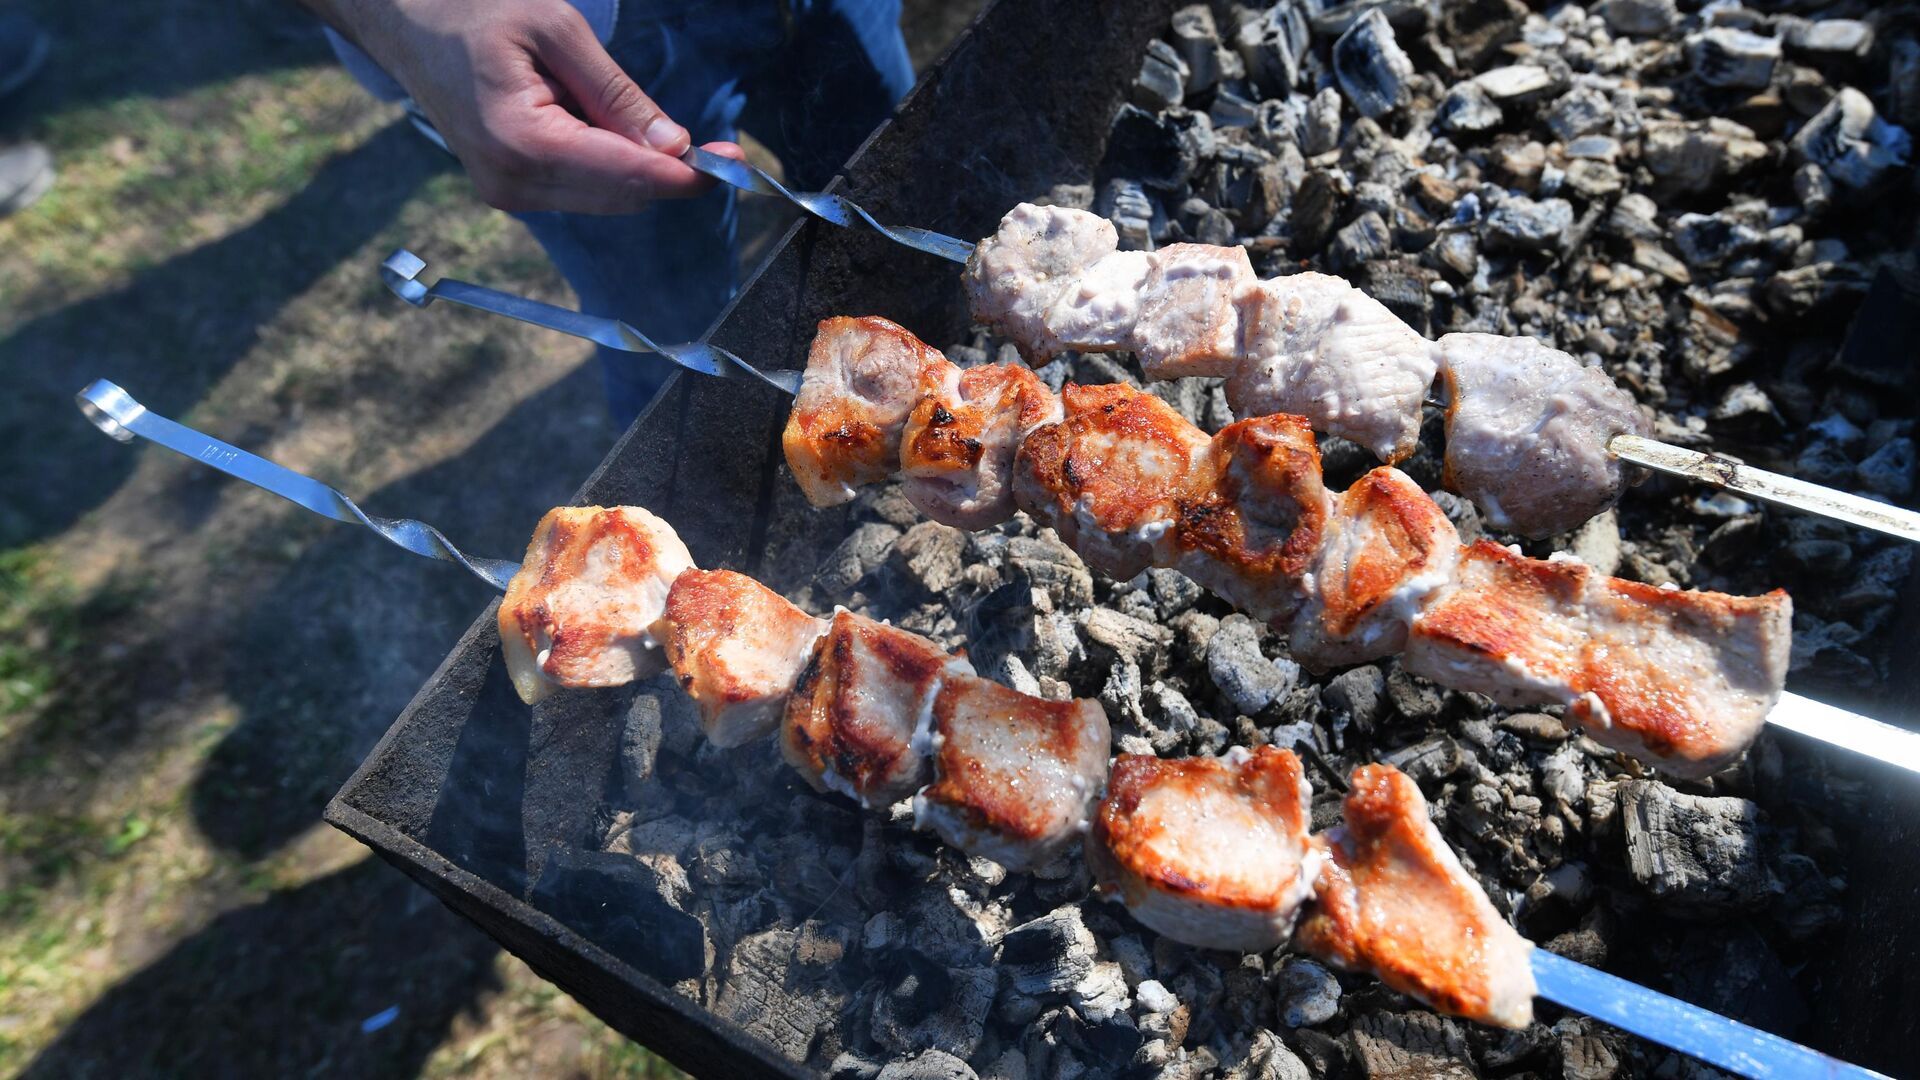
[{"x": 1629, "y": 1006}]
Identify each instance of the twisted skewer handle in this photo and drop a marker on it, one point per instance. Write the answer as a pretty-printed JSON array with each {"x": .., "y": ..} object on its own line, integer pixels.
[
  {"x": 829, "y": 208},
  {"x": 114, "y": 411},
  {"x": 401, "y": 272}
]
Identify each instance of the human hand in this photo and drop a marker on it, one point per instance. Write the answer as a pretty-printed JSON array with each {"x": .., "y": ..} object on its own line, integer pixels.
[{"x": 528, "y": 100}]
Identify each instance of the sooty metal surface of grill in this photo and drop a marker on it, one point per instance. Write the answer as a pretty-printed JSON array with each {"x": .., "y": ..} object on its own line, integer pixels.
[{"x": 491, "y": 804}]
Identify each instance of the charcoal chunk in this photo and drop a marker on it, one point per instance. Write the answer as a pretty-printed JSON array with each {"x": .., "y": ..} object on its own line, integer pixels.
[
  {"x": 932, "y": 1065},
  {"x": 1372, "y": 68},
  {"x": 1411, "y": 1046},
  {"x": 1048, "y": 955},
  {"x": 1699, "y": 853},
  {"x": 1246, "y": 677},
  {"x": 929, "y": 1006}
]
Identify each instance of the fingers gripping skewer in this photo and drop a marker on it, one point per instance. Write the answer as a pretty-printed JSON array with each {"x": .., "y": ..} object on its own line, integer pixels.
[
  {"x": 401, "y": 272},
  {"x": 833, "y": 209},
  {"x": 113, "y": 411}
]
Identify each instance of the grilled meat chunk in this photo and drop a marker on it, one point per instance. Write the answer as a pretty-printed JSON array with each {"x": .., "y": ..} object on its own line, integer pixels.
[
  {"x": 857, "y": 721},
  {"x": 1682, "y": 679},
  {"x": 1097, "y": 312},
  {"x": 1253, "y": 515},
  {"x": 1189, "y": 321},
  {"x": 1527, "y": 432},
  {"x": 1314, "y": 345},
  {"x": 956, "y": 455},
  {"x": 737, "y": 648},
  {"x": 1014, "y": 776},
  {"x": 578, "y": 612},
  {"x": 1108, "y": 475},
  {"x": 1387, "y": 548},
  {"x": 863, "y": 378},
  {"x": 1394, "y": 900},
  {"x": 1211, "y": 852},
  {"x": 1015, "y": 276}
]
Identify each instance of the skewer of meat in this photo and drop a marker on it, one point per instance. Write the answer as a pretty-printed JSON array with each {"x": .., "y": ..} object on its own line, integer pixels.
[
  {"x": 1384, "y": 872},
  {"x": 1681, "y": 679}
]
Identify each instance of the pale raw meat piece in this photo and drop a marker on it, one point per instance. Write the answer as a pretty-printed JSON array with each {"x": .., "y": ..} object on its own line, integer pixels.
[
  {"x": 579, "y": 611},
  {"x": 956, "y": 454},
  {"x": 863, "y": 378},
  {"x": 1189, "y": 320},
  {"x": 1527, "y": 432},
  {"x": 1678, "y": 678},
  {"x": 1388, "y": 547},
  {"x": 1394, "y": 900},
  {"x": 1098, "y": 310},
  {"x": 737, "y": 647},
  {"x": 1014, "y": 776},
  {"x": 857, "y": 721},
  {"x": 1015, "y": 276},
  {"x": 1211, "y": 852},
  {"x": 1107, "y": 477},
  {"x": 1253, "y": 515},
  {"x": 1313, "y": 345}
]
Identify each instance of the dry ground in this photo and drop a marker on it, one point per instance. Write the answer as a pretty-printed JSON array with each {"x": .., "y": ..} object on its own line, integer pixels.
[{"x": 190, "y": 667}]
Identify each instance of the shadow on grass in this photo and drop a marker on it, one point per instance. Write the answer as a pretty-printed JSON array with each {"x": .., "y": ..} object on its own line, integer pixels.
[
  {"x": 176, "y": 328},
  {"x": 282, "y": 988},
  {"x": 331, "y": 653}
]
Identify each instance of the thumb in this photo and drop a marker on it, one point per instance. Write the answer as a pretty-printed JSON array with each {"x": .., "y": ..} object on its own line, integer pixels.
[{"x": 603, "y": 91}]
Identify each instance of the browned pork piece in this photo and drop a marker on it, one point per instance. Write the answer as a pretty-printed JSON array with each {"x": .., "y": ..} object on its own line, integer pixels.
[
  {"x": 1394, "y": 900},
  {"x": 1015, "y": 276},
  {"x": 1316, "y": 346},
  {"x": 1527, "y": 432},
  {"x": 863, "y": 378},
  {"x": 580, "y": 609},
  {"x": 1108, "y": 476},
  {"x": 1014, "y": 776},
  {"x": 956, "y": 454},
  {"x": 737, "y": 647},
  {"x": 1679, "y": 678},
  {"x": 1386, "y": 548},
  {"x": 1211, "y": 852},
  {"x": 857, "y": 721},
  {"x": 1253, "y": 515}
]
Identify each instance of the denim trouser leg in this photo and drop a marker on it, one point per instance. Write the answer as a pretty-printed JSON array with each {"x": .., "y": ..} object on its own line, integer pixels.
[{"x": 811, "y": 84}]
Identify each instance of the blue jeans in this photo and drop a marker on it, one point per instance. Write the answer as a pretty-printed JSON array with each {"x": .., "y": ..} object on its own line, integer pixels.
[{"x": 809, "y": 78}]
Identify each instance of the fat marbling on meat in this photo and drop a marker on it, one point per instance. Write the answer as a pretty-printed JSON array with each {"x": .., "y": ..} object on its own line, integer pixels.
[
  {"x": 1014, "y": 776},
  {"x": 1393, "y": 899},
  {"x": 737, "y": 647},
  {"x": 863, "y": 378},
  {"x": 1527, "y": 432},
  {"x": 1211, "y": 852},
  {"x": 1683, "y": 679},
  {"x": 1313, "y": 345},
  {"x": 580, "y": 610},
  {"x": 858, "y": 717}
]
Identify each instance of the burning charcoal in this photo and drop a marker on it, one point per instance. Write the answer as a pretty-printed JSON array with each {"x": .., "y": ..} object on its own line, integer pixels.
[
  {"x": 1357, "y": 695},
  {"x": 1197, "y": 42},
  {"x": 863, "y": 551},
  {"x": 1433, "y": 758},
  {"x": 1697, "y": 852},
  {"x": 1365, "y": 239},
  {"x": 1517, "y": 83},
  {"x": 1699, "y": 157},
  {"x": 1889, "y": 314},
  {"x": 927, "y": 558},
  {"x": 1175, "y": 718},
  {"x": 1853, "y": 144},
  {"x": 1315, "y": 208},
  {"x": 1476, "y": 29},
  {"x": 1372, "y": 69},
  {"x": 1469, "y": 108},
  {"x": 1161, "y": 150},
  {"x": 1830, "y": 42},
  {"x": 1102, "y": 994},
  {"x": 1724, "y": 56},
  {"x": 928, "y": 1006},
  {"x": 1134, "y": 213},
  {"x": 1162, "y": 82},
  {"x": 1638, "y": 18},
  {"x": 633, "y": 906},
  {"x": 1308, "y": 993},
  {"x": 1526, "y": 225},
  {"x": 851, "y": 1066},
  {"x": 1127, "y": 638},
  {"x": 1266, "y": 1057},
  {"x": 1411, "y": 1044},
  {"x": 1580, "y": 111},
  {"x": 1889, "y": 470},
  {"x": 932, "y": 1065},
  {"x": 1455, "y": 254},
  {"x": 1246, "y": 677},
  {"x": 1583, "y": 1052},
  {"x": 1273, "y": 45},
  {"x": 1048, "y": 955},
  {"x": 1173, "y": 592},
  {"x": 1320, "y": 125},
  {"x": 1811, "y": 902}
]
